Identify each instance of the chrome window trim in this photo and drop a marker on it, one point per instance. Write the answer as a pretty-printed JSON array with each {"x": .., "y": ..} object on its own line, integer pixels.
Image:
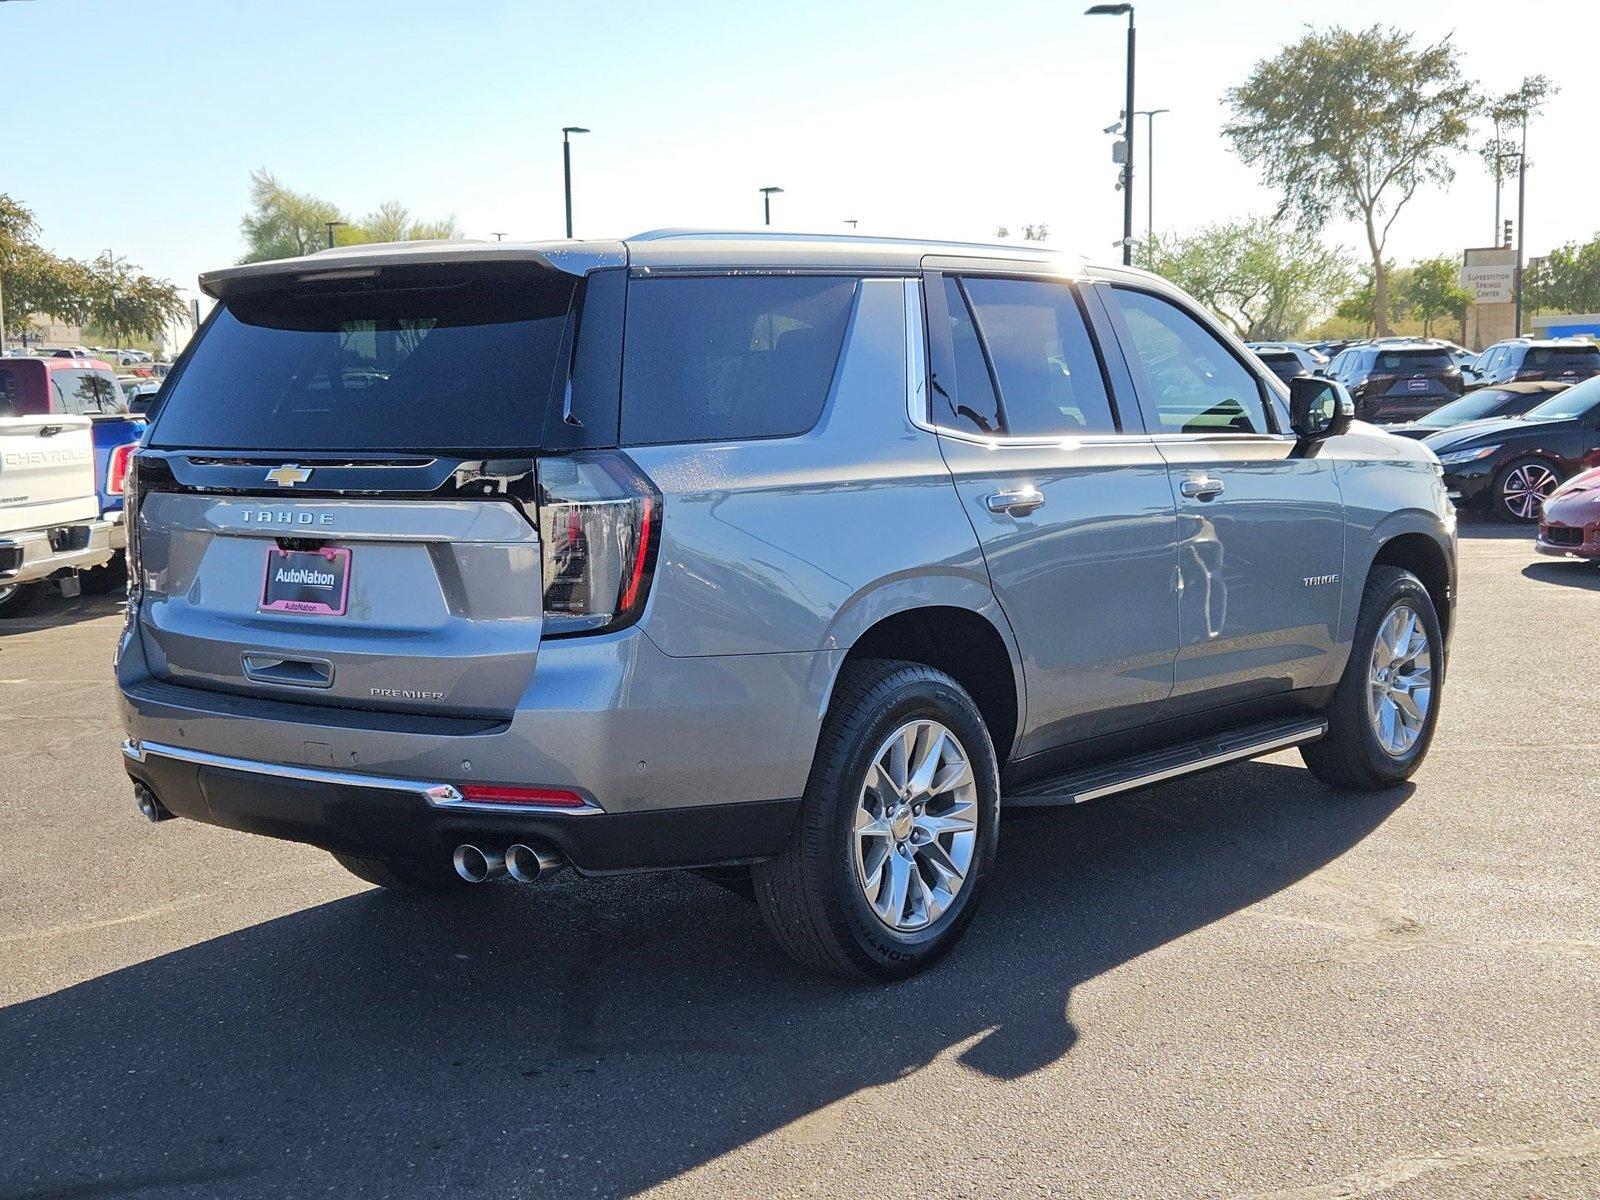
[
  {"x": 919, "y": 406},
  {"x": 438, "y": 795}
]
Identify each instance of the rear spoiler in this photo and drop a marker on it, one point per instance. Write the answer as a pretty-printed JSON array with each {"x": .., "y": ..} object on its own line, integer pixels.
[{"x": 364, "y": 262}]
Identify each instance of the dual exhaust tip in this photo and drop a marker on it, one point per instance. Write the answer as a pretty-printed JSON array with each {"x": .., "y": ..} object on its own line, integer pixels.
[{"x": 523, "y": 863}]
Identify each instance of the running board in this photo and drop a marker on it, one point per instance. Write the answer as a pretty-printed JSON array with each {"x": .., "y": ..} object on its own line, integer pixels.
[{"x": 1105, "y": 779}]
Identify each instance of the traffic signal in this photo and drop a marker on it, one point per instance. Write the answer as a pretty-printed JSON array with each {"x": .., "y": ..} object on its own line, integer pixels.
[{"x": 1507, "y": 237}]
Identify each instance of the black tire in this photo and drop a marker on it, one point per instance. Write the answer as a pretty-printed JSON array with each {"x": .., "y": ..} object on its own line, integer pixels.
[
  {"x": 1499, "y": 503},
  {"x": 1350, "y": 755},
  {"x": 402, "y": 876},
  {"x": 809, "y": 895},
  {"x": 19, "y": 599}
]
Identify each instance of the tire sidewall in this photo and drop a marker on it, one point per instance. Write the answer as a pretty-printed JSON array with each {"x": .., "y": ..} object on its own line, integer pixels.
[
  {"x": 1404, "y": 589},
  {"x": 884, "y": 952}
]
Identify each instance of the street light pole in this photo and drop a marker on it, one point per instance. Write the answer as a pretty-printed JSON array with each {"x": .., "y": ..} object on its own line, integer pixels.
[
  {"x": 1149, "y": 116},
  {"x": 1522, "y": 234},
  {"x": 566, "y": 166},
  {"x": 766, "y": 203},
  {"x": 1117, "y": 10},
  {"x": 331, "y": 226}
]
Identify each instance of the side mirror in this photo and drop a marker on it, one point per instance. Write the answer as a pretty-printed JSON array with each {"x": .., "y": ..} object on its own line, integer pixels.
[{"x": 1319, "y": 408}]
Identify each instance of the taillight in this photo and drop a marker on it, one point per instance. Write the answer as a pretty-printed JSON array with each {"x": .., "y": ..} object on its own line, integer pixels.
[
  {"x": 482, "y": 793},
  {"x": 1528, "y": 373},
  {"x": 599, "y": 527},
  {"x": 117, "y": 468}
]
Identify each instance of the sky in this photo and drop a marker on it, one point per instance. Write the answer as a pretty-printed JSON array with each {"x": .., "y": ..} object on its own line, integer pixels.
[{"x": 133, "y": 125}]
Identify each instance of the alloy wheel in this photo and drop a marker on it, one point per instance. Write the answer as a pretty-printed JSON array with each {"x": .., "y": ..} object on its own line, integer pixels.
[
  {"x": 1526, "y": 489},
  {"x": 1400, "y": 681},
  {"x": 916, "y": 825}
]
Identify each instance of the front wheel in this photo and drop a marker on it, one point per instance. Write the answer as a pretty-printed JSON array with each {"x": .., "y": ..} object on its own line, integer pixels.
[
  {"x": 1383, "y": 713},
  {"x": 1521, "y": 489},
  {"x": 896, "y": 832}
]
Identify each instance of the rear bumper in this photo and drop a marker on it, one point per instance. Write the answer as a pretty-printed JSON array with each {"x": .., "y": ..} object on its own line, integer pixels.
[
  {"x": 686, "y": 761},
  {"x": 423, "y": 821},
  {"x": 35, "y": 554}
]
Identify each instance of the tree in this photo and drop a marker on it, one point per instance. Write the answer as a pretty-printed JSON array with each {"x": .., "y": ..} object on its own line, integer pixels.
[
  {"x": 1354, "y": 123},
  {"x": 1434, "y": 290},
  {"x": 283, "y": 223},
  {"x": 1568, "y": 280},
  {"x": 1510, "y": 114},
  {"x": 1031, "y": 233},
  {"x": 107, "y": 293},
  {"x": 1267, "y": 278}
]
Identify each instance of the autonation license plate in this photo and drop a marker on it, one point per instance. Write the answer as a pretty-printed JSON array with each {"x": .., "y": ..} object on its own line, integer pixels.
[
  {"x": 1418, "y": 385},
  {"x": 307, "y": 581}
]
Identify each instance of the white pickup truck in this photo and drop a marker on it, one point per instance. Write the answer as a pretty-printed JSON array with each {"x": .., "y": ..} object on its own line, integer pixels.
[{"x": 51, "y": 526}]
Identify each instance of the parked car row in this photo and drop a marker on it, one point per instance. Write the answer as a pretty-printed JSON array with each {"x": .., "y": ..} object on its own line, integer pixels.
[{"x": 66, "y": 441}]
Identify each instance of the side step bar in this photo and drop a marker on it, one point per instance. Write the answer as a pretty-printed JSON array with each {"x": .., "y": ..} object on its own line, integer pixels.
[{"x": 1105, "y": 779}]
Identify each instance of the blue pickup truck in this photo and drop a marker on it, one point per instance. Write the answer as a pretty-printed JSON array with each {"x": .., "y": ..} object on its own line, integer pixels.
[{"x": 87, "y": 387}]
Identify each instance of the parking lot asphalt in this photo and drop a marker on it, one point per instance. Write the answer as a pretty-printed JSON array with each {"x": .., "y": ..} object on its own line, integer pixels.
[{"x": 1238, "y": 984}]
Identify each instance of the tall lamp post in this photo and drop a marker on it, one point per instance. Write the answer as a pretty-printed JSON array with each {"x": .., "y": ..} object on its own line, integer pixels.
[
  {"x": 1150, "y": 115},
  {"x": 766, "y": 203},
  {"x": 331, "y": 226},
  {"x": 1118, "y": 10},
  {"x": 566, "y": 166}
]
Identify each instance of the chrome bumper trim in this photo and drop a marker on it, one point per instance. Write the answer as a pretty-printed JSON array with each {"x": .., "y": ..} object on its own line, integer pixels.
[{"x": 438, "y": 795}]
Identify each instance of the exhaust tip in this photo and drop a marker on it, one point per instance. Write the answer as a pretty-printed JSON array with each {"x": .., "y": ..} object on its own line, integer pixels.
[
  {"x": 527, "y": 863},
  {"x": 149, "y": 806},
  {"x": 477, "y": 865}
]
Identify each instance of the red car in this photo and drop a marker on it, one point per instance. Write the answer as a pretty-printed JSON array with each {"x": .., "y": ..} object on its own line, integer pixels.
[{"x": 1570, "y": 523}]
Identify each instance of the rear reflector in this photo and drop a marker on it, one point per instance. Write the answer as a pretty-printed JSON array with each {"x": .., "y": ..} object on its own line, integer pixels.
[{"x": 493, "y": 794}]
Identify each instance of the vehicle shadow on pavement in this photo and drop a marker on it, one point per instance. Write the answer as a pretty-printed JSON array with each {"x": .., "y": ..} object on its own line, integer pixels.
[
  {"x": 1571, "y": 573},
  {"x": 56, "y": 611},
  {"x": 601, "y": 1036}
]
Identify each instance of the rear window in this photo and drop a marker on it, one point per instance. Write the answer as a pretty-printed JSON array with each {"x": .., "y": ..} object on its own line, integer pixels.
[
  {"x": 1412, "y": 360},
  {"x": 719, "y": 358},
  {"x": 1562, "y": 357},
  {"x": 425, "y": 362}
]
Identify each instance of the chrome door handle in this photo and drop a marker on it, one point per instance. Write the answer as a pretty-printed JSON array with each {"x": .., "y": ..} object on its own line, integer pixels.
[
  {"x": 1018, "y": 503},
  {"x": 1201, "y": 487}
]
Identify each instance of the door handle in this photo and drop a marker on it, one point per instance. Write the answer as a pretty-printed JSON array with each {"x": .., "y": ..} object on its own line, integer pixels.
[
  {"x": 1018, "y": 503},
  {"x": 295, "y": 672},
  {"x": 1201, "y": 487}
]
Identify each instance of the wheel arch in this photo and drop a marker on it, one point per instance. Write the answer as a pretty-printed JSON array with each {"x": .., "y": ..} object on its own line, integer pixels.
[
  {"x": 953, "y": 624},
  {"x": 1424, "y": 556}
]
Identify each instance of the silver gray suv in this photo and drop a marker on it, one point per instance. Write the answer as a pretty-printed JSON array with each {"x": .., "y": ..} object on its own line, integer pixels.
[{"x": 793, "y": 560}]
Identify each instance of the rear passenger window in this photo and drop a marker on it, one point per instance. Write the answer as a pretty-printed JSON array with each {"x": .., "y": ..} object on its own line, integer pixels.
[
  {"x": 1049, "y": 375},
  {"x": 1188, "y": 380},
  {"x": 720, "y": 358}
]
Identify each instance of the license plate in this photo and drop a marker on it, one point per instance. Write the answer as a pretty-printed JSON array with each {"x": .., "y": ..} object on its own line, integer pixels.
[
  {"x": 1418, "y": 385},
  {"x": 316, "y": 582}
]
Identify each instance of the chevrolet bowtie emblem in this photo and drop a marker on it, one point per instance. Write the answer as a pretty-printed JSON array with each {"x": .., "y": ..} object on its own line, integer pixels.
[{"x": 288, "y": 475}]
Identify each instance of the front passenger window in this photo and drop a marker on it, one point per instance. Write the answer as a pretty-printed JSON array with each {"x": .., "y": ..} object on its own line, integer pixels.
[{"x": 1187, "y": 379}]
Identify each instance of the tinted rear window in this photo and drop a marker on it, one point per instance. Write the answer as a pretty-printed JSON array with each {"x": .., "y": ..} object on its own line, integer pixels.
[
  {"x": 1412, "y": 360},
  {"x": 85, "y": 392},
  {"x": 449, "y": 363},
  {"x": 718, "y": 358},
  {"x": 1561, "y": 357}
]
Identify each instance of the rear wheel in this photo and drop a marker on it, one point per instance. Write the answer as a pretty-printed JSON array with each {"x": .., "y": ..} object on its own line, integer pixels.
[
  {"x": 1383, "y": 714},
  {"x": 402, "y": 876},
  {"x": 19, "y": 598},
  {"x": 896, "y": 833},
  {"x": 1522, "y": 487}
]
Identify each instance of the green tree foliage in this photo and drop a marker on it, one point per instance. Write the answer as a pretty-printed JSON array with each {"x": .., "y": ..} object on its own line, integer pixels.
[
  {"x": 283, "y": 223},
  {"x": 1354, "y": 122},
  {"x": 1509, "y": 115},
  {"x": 107, "y": 293},
  {"x": 1267, "y": 278},
  {"x": 1567, "y": 280},
  {"x": 1433, "y": 290}
]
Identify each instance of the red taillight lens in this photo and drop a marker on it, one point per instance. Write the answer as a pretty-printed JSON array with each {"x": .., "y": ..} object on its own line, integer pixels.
[
  {"x": 479, "y": 793},
  {"x": 599, "y": 526},
  {"x": 1529, "y": 373},
  {"x": 117, "y": 468}
]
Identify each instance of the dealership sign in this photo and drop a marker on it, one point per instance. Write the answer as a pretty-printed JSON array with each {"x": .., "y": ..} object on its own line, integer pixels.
[{"x": 1490, "y": 284}]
